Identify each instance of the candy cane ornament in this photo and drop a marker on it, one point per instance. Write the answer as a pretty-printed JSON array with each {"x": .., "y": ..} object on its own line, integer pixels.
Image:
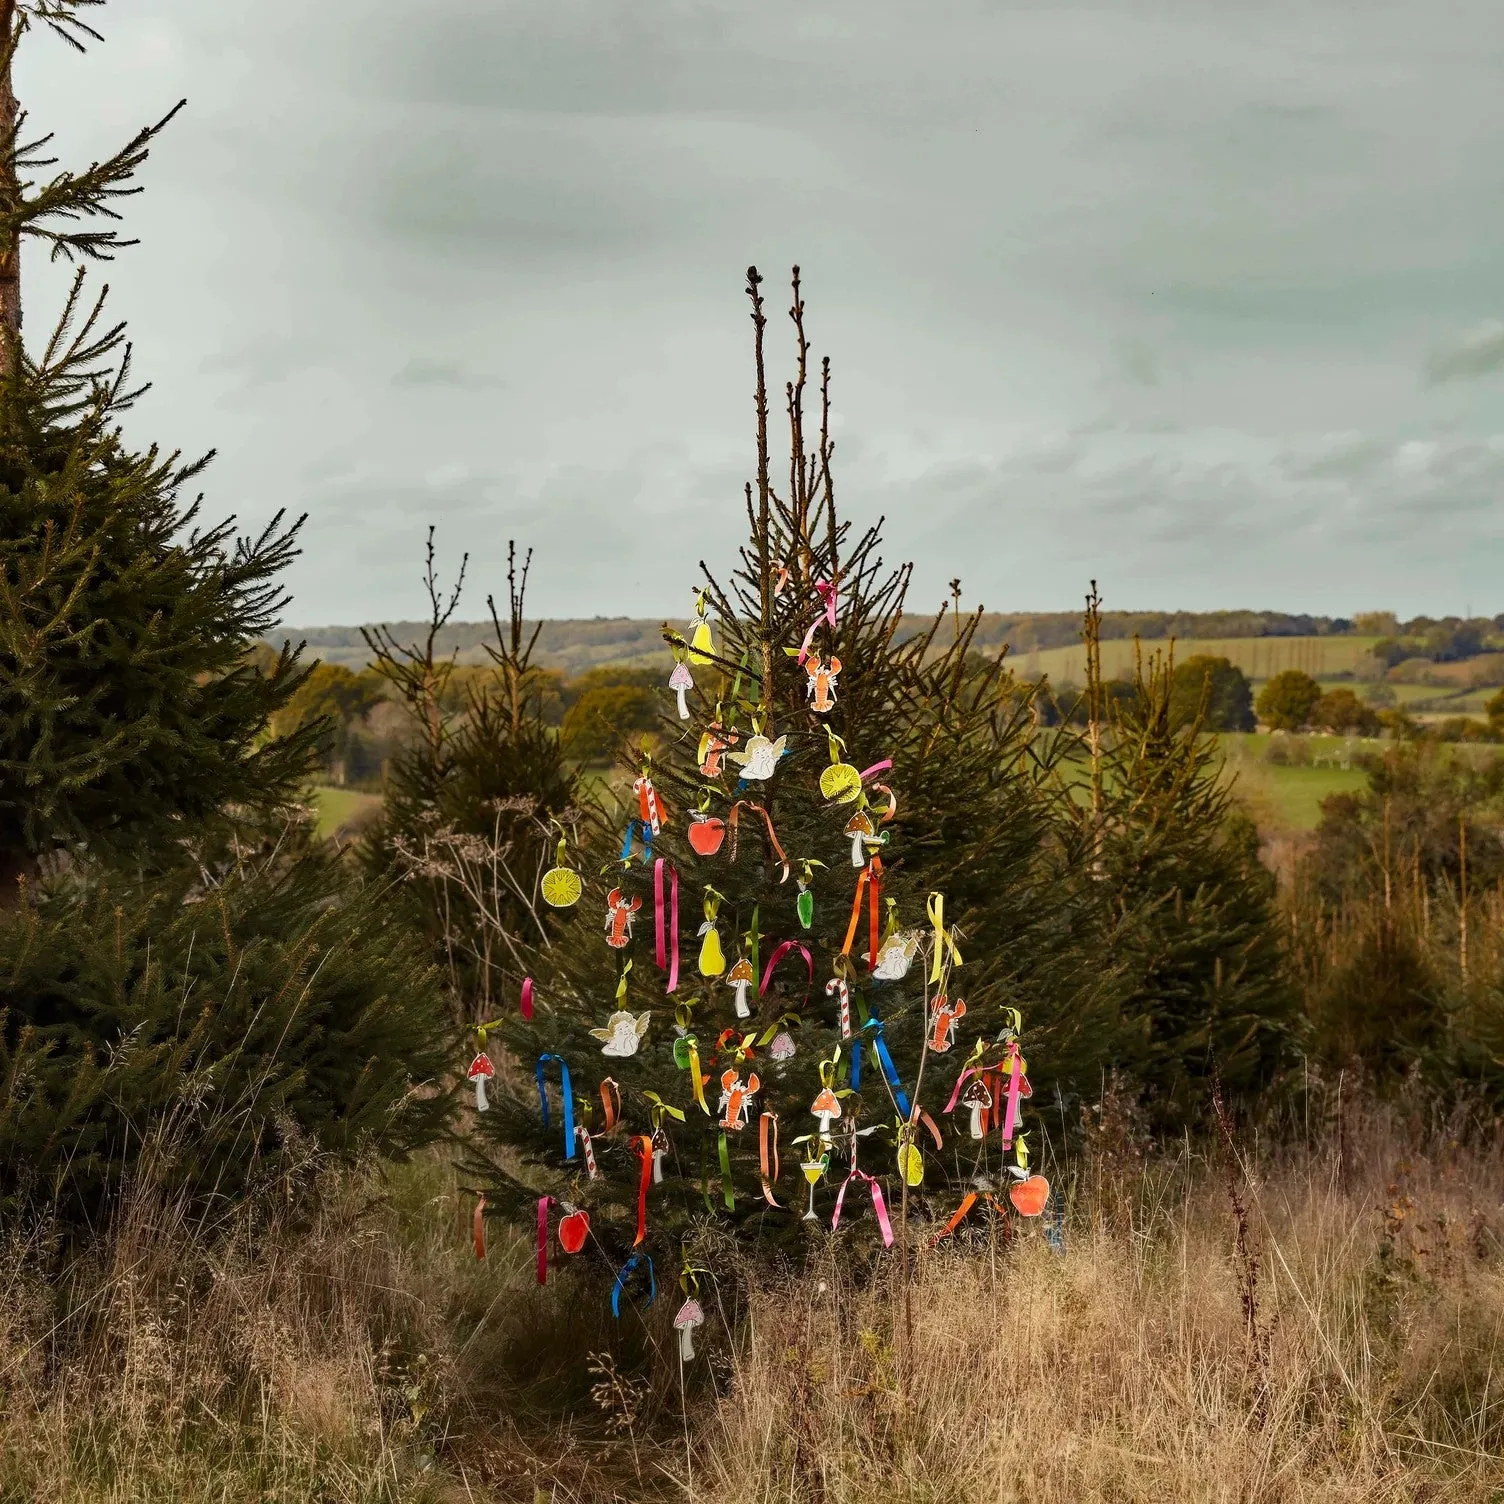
[{"x": 838, "y": 988}]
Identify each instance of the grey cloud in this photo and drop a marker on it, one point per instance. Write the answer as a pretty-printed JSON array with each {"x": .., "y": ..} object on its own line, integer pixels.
[
  {"x": 420, "y": 371},
  {"x": 1479, "y": 352}
]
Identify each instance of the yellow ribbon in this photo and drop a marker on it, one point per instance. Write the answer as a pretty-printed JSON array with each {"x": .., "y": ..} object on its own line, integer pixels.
[
  {"x": 694, "y": 1077},
  {"x": 658, "y": 1109},
  {"x": 621, "y": 986},
  {"x": 943, "y": 941}
]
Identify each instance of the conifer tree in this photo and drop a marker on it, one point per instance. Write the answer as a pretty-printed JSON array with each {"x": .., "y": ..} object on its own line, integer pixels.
[
  {"x": 126, "y": 707},
  {"x": 766, "y": 974},
  {"x": 1190, "y": 908}
]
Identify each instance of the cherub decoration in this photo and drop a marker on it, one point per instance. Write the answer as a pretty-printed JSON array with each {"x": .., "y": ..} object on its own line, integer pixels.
[
  {"x": 760, "y": 757},
  {"x": 623, "y": 1033}
]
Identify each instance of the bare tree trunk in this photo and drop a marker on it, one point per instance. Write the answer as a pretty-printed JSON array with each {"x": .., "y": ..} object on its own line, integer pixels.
[{"x": 10, "y": 193}]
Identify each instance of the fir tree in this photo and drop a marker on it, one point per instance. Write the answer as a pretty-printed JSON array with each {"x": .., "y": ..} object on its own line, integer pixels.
[
  {"x": 126, "y": 708},
  {"x": 1191, "y": 909},
  {"x": 813, "y": 950}
]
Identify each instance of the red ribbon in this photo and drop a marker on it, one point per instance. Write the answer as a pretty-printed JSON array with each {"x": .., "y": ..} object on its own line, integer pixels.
[
  {"x": 609, "y": 1090},
  {"x": 526, "y": 1005},
  {"x": 778, "y": 955},
  {"x": 1015, "y": 1082},
  {"x": 968, "y": 1201},
  {"x": 544, "y": 1202},
  {"x": 644, "y": 1146},
  {"x": 478, "y": 1226},
  {"x": 662, "y": 956}
]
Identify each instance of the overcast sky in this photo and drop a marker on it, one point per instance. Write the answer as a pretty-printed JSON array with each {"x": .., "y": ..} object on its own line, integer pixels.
[{"x": 1203, "y": 299}]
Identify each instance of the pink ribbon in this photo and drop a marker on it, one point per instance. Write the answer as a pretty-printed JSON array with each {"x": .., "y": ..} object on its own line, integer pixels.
[
  {"x": 1011, "y": 1117},
  {"x": 879, "y": 1207},
  {"x": 664, "y": 960},
  {"x": 877, "y": 767},
  {"x": 526, "y": 1004},
  {"x": 827, "y": 593},
  {"x": 778, "y": 955},
  {"x": 961, "y": 1080},
  {"x": 544, "y": 1202}
]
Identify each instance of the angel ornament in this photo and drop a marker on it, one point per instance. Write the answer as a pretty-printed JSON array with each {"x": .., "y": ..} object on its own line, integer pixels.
[
  {"x": 760, "y": 757},
  {"x": 895, "y": 954},
  {"x": 623, "y": 1033},
  {"x": 822, "y": 683}
]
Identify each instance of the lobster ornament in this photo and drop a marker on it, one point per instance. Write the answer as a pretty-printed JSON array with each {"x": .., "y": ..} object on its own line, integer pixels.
[
  {"x": 714, "y": 745},
  {"x": 943, "y": 1019},
  {"x": 619, "y": 912},
  {"x": 736, "y": 1099},
  {"x": 822, "y": 683}
]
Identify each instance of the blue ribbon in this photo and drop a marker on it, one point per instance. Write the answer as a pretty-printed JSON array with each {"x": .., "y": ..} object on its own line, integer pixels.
[
  {"x": 621, "y": 1281},
  {"x": 644, "y": 834},
  {"x": 880, "y": 1055},
  {"x": 566, "y": 1091}
]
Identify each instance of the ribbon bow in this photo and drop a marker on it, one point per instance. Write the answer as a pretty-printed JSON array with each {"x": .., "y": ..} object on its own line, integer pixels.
[{"x": 879, "y": 1207}]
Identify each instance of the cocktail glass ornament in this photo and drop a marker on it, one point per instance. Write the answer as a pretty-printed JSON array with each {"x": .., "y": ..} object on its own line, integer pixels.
[
  {"x": 681, "y": 681},
  {"x": 814, "y": 1170},
  {"x": 623, "y": 1033},
  {"x": 760, "y": 757},
  {"x": 701, "y": 647},
  {"x": 619, "y": 913},
  {"x": 736, "y": 1099},
  {"x": 943, "y": 1018},
  {"x": 739, "y": 978},
  {"x": 821, "y": 690},
  {"x": 562, "y": 885},
  {"x": 979, "y": 1100}
]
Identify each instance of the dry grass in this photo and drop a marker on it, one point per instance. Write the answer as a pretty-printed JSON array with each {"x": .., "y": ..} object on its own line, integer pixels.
[{"x": 1352, "y": 1352}]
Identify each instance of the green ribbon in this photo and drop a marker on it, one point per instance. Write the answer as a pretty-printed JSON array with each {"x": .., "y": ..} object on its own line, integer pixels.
[{"x": 728, "y": 1193}]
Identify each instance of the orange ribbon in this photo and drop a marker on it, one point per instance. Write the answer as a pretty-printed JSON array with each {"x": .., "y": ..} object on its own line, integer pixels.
[
  {"x": 968, "y": 1201},
  {"x": 772, "y": 837},
  {"x": 478, "y": 1226},
  {"x": 612, "y": 1109},
  {"x": 869, "y": 881},
  {"x": 767, "y": 1127}
]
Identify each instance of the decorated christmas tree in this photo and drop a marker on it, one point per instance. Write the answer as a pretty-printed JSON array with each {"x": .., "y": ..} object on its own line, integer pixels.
[{"x": 761, "y": 1011}]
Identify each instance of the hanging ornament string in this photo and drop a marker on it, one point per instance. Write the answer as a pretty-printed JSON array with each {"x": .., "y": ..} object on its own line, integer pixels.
[
  {"x": 632, "y": 1263},
  {"x": 827, "y": 612},
  {"x": 767, "y": 1150},
  {"x": 945, "y": 951},
  {"x": 566, "y": 1093},
  {"x": 783, "y": 949},
  {"x": 667, "y": 954},
  {"x": 643, "y": 1144},
  {"x": 525, "y": 1003},
  {"x": 869, "y": 882},
  {"x": 879, "y": 1207},
  {"x": 772, "y": 835}
]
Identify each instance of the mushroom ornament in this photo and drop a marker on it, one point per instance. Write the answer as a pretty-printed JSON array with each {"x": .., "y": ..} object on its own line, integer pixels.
[
  {"x": 690, "y": 1316},
  {"x": 740, "y": 978},
  {"x": 979, "y": 1099},
  {"x": 681, "y": 681},
  {"x": 826, "y": 1107},
  {"x": 623, "y": 1033},
  {"x": 859, "y": 828},
  {"x": 760, "y": 757},
  {"x": 481, "y": 1070}
]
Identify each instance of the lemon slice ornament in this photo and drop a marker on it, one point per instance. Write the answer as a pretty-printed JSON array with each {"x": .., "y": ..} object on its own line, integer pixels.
[
  {"x": 840, "y": 782},
  {"x": 562, "y": 886}
]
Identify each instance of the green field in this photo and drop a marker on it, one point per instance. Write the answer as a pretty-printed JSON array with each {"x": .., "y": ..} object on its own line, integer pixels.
[
  {"x": 1258, "y": 657},
  {"x": 341, "y": 811}
]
